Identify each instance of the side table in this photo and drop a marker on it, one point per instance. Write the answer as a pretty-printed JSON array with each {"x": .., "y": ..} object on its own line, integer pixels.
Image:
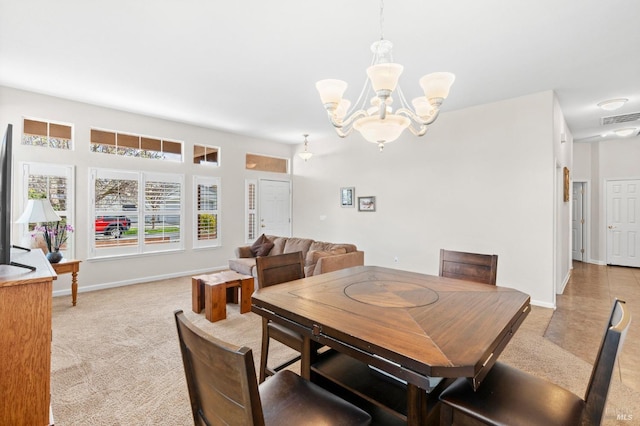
[
  {"x": 212, "y": 291},
  {"x": 69, "y": 266}
]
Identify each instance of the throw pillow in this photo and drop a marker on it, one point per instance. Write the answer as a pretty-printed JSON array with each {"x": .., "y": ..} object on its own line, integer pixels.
[{"x": 261, "y": 247}]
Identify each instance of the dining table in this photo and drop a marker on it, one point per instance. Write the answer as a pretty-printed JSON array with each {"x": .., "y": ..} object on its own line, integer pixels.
[{"x": 412, "y": 327}]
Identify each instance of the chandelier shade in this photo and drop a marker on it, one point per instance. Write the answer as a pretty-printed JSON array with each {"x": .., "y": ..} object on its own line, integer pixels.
[
  {"x": 373, "y": 114},
  {"x": 380, "y": 131}
]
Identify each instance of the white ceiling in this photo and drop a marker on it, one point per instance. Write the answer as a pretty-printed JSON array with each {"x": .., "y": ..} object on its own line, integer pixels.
[{"x": 250, "y": 66}]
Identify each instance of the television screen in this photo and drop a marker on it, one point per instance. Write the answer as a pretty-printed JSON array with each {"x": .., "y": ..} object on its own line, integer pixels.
[{"x": 5, "y": 197}]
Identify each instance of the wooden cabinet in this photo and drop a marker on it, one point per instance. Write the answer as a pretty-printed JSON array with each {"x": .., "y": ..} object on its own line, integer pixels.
[{"x": 25, "y": 340}]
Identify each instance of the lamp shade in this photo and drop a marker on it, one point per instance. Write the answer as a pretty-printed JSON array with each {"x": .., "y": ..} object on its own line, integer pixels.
[
  {"x": 384, "y": 76},
  {"x": 376, "y": 130},
  {"x": 437, "y": 84},
  {"x": 331, "y": 90},
  {"x": 38, "y": 211}
]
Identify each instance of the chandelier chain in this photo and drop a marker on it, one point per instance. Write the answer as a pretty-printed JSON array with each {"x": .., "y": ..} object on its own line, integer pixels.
[{"x": 381, "y": 19}]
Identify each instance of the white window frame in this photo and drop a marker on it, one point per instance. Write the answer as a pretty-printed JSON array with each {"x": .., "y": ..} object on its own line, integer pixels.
[
  {"x": 142, "y": 210},
  {"x": 251, "y": 209},
  {"x": 57, "y": 170},
  {"x": 207, "y": 180}
]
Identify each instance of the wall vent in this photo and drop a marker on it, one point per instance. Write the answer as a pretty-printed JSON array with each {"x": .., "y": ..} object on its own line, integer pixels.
[{"x": 625, "y": 118}]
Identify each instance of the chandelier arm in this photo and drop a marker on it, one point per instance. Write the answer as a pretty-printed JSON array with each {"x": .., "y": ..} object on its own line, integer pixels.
[
  {"x": 420, "y": 131},
  {"x": 346, "y": 123},
  {"x": 416, "y": 118}
]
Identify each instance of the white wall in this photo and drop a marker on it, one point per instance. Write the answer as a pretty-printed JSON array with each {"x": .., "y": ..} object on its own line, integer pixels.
[
  {"x": 481, "y": 180},
  {"x": 16, "y": 104},
  {"x": 597, "y": 162}
]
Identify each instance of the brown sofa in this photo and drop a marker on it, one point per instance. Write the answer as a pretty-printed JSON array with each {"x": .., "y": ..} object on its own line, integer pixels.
[{"x": 320, "y": 257}]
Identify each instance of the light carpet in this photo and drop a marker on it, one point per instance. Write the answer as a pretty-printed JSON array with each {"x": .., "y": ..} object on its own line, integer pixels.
[{"x": 116, "y": 360}]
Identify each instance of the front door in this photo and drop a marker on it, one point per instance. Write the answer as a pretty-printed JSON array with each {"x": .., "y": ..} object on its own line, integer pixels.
[
  {"x": 275, "y": 207},
  {"x": 623, "y": 222}
]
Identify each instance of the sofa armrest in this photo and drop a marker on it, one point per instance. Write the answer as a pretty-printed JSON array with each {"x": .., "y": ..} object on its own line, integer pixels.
[
  {"x": 244, "y": 252},
  {"x": 339, "y": 261}
]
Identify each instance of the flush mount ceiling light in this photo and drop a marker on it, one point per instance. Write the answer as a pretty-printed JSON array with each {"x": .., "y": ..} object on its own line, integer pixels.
[
  {"x": 374, "y": 117},
  {"x": 627, "y": 131},
  {"x": 612, "y": 104},
  {"x": 305, "y": 155}
]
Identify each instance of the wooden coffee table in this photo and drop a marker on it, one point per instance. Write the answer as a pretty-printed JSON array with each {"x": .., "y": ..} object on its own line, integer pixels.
[{"x": 211, "y": 292}]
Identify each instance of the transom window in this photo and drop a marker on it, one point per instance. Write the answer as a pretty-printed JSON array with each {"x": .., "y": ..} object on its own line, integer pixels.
[
  {"x": 46, "y": 134},
  {"x": 130, "y": 145},
  {"x": 203, "y": 154}
]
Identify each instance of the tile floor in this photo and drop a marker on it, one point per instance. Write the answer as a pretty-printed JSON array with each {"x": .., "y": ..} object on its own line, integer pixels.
[{"x": 582, "y": 311}]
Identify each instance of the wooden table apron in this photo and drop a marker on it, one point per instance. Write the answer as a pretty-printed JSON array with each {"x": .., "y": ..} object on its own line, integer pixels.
[{"x": 411, "y": 325}]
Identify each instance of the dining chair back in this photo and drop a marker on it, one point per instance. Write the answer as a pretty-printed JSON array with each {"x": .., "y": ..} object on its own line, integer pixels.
[
  {"x": 221, "y": 379},
  {"x": 279, "y": 268},
  {"x": 274, "y": 270},
  {"x": 480, "y": 268},
  {"x": 514, "y": 397}
]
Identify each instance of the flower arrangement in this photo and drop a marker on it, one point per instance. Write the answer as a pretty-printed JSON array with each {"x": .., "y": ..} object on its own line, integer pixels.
[{"x": 55, "y": 235}]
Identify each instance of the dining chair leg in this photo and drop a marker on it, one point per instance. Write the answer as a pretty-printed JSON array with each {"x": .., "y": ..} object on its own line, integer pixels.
[
  {"x": 446, "y": 414},
  {"x": 264, "y": 353}
]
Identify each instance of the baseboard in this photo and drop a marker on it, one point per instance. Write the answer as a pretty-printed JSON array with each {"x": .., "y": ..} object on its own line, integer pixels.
[
  {"x": 564, "y": 283},
  {"x": 543, "y": 304},
  {"x": 113, "y": 284}
]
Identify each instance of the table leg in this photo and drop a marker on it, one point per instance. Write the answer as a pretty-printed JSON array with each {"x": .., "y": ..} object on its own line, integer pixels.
[
  {"x": 416, "y": 405},
  {"x": 74, "y": 287},
  {"x": 305, "y": 358},
  {"x": 246, "y": 291},
  {"x": 196, "y": 295},
  {"x": 215, "y": 302}
]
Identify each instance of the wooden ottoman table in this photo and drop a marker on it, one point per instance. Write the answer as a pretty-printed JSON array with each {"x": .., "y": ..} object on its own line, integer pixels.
[{"x": 212, "y": 292}]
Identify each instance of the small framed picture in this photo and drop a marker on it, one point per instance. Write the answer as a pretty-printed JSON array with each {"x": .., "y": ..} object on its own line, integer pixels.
[
  {"x": 367, "y": 204},
  {"x": 347, "y": 196}
]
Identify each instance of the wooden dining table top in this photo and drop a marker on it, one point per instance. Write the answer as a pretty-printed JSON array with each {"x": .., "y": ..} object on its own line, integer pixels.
[{"x": 428, "y": 325}]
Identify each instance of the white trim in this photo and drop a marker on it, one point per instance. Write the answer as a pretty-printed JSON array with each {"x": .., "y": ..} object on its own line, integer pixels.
[{"x": 114, "y": 284}]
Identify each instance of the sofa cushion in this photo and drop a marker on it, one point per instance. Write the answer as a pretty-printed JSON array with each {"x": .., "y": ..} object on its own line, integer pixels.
[
  {"x": 262, "y": 246},
  {"x": 244, "y": 265},
  {"x": 278, "y": 246},
  {"x": 293, "y": 245},
  {"x": 314, "y": 255}
]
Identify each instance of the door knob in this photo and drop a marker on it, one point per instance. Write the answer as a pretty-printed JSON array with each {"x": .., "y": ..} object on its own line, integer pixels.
[{"x": 611, "y": 227}]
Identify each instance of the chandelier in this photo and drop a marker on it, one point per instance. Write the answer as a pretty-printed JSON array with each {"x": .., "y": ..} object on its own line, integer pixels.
[
  {"x": 373, "y": 115},
  {"x": 305, "y": 155}
]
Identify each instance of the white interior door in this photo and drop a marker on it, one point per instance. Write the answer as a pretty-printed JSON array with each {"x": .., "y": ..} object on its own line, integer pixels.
[
  {"x": 275, "y": 207},
  {"x": 577, "y": 221},
  {"x": 623, "y": 222}
]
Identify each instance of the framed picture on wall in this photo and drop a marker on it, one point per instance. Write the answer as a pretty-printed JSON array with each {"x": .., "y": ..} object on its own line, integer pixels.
[
  {"x": 367, "y": 204},
  {"x": 347, "y": 196}
]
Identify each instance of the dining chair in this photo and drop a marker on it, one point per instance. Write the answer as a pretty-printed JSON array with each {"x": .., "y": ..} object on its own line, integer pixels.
[
  {"x": 480, "y": 268},
  {"x": 223, "y": 390},
  {"x": 274, "y": 270},
  {"x": 509, "y": 396}
]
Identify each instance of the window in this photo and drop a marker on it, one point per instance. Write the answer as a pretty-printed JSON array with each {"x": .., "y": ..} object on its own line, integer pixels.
[
  {"x": 47, "y": 134},
  {"x": 136, "y": 212},
  {"x": 250, "y": 187},
  {"x": 203, "y": 154},
  {"x": 206, "y": 211},
  {"x": 129, "y": 145},
  {"x": 54, "y": 182},
  {"x": 266, "y": 164}
]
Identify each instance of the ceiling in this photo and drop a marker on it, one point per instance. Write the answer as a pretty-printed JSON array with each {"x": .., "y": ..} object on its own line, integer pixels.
[{"x": 250, "y": 67}]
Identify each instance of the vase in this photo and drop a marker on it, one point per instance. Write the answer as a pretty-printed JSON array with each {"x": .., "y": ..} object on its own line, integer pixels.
[{"x": 54, "y": 256}]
